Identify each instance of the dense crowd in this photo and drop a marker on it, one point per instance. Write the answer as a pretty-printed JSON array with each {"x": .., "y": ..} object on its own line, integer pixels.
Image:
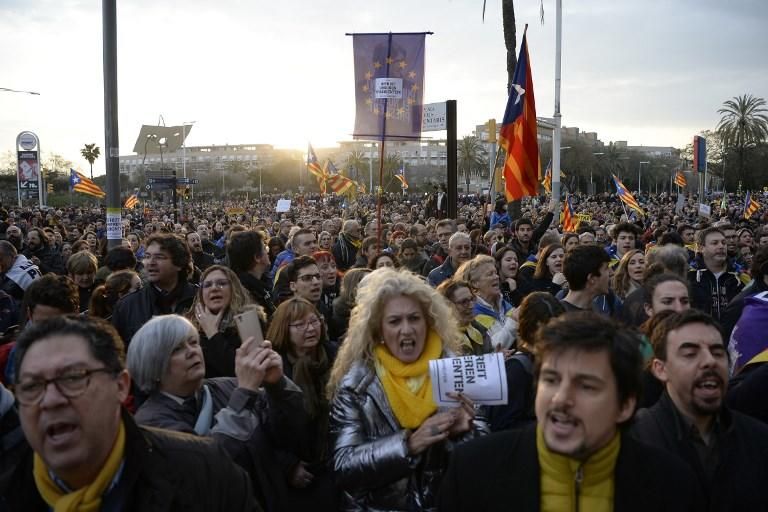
[{"x": 634, "y": 355}]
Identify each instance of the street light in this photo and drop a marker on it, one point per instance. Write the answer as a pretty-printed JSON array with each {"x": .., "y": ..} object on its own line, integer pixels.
[
  {"x": 184, "y": 151},
  {"x": 591, "y": 183},
  {"x": 639, "y": 167}
]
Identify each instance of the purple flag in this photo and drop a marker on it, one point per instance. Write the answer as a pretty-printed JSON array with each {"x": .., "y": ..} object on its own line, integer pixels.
[
  {"x": 389, "y": 86},
  {"x": 748, "y": 337}
]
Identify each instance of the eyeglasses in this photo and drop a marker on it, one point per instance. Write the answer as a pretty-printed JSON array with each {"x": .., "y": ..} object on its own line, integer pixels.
[
  {"x": 308, "y": 278},
  {"x": 465, "y": 303},
  {"x": 303, "y": 326},
  {"x": 72, "y": 384},
  {"x": 220, "y": 283}
]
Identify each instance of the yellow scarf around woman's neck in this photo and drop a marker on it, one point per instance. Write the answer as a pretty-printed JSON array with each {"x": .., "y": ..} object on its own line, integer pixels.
[
  {"x": 85, "y": 499},
  {"x": 408, "y": 386}
]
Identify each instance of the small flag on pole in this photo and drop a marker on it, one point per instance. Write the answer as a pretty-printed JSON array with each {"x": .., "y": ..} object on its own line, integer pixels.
[
  {"x": 569, "y": 217},
  {"x": 313, "y": 166},
  {"x": 547, "y": 181},
  {"x": 750, "y": 206},
  {"x": 132, "y": 201},
  {"x": 626, "y": 197},
  {"x": 80, "y": 183},
  {"x": 724, "y": 201},
  {"x": 680, "y": 180},
  {"x": 401, "y": 177}
]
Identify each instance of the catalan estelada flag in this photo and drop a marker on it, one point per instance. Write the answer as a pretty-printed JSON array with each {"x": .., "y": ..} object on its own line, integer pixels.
[
  {"x": 626, "y": 197},
  {"x": 313, "y": 166},
  {"x": 680, "y": 180},
  {"x": 338, "y": 183},
  {"x": 547, "y": 181},
  {"x": 401, "y": 178},
  {"x": 80, "y": 183},
  {"x": 132, "y": 201},
  {"x": 750, "y": 206},
  {"x": 518, "y": 133},
  {"x": 569, "y": 217}
]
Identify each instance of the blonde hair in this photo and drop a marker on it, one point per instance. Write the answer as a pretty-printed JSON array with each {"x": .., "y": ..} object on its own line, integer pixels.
[
  {"x": 467, "y": 271},
  {"x": 240, "y": 299},
  {"x": 376, "y": 289},
  {"x": 622, "y": 282}
]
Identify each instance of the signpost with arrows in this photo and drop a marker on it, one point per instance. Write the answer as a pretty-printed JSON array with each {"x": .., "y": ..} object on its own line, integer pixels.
[{"x": 170, "y": 183}]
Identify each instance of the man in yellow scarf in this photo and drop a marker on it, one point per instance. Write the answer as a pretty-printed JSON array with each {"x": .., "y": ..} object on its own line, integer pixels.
[
  {"x": 577, "y": 456},
  {"x": 89, "y": 454}
]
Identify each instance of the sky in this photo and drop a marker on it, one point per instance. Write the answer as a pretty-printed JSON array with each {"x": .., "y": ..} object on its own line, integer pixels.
[{"x": 651, "y": 72}]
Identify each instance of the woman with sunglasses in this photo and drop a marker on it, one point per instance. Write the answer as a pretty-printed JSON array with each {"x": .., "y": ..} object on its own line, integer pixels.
[{"x": 219, "y": 298}]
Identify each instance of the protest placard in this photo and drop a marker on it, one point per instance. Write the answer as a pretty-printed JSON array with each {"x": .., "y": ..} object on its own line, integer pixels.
[
  {"x": 480, "y": 378},
  {"x": 283, "y": 205}
]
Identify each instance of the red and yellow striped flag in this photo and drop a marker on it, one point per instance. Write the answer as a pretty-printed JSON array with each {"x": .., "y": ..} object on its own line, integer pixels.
[
  {"x": 132, "y": 201},
  {"x": 569, "y": 217},
  {"x": 518, "y": 133},
  {"x": 680, "y": 180},
  {"x": 80, "y": 183}
]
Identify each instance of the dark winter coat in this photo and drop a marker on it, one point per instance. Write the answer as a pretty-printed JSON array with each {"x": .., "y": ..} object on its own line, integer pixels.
[
  {"x": 137, "y": 308},
  {"x": 739, "y": 479},
  {"x": 501, "y": 473},
  {"x": 163, "y": 472}
]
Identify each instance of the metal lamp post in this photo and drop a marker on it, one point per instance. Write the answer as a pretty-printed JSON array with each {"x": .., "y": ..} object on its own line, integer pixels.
[{"x": 639, "y": 168}]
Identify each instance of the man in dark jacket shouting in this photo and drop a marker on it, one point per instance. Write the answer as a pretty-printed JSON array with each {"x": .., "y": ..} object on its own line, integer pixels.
[
  {"x": 727, "y": 450},
  {"x": 576, "y": 458},
  {"x": 89, "y": 454}
]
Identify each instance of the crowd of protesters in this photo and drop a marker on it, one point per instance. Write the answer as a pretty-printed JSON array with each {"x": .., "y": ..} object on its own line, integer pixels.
[{"x": 634, "y": 347}]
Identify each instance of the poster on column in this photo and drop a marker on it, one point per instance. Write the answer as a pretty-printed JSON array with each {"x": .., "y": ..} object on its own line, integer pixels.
[
  {"x": 29, "y": 174},
  {"x": 480, "y": 378}
]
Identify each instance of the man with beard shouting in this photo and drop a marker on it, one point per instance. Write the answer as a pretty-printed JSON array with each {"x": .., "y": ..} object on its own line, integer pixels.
[{"x": 726, "y": 449}]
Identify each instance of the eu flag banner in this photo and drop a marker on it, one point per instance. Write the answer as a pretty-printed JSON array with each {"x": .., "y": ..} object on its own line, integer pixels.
[
  {"x": 518, "y": 133},
  {"x": 389, "y": 85}
]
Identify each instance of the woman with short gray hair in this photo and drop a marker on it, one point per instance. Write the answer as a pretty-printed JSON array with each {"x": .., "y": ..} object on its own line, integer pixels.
[{"x": 248, "y": 415}]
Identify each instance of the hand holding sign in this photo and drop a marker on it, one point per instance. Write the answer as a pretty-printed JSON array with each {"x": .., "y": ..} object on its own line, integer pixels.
[{"x": 480, "y": 379}]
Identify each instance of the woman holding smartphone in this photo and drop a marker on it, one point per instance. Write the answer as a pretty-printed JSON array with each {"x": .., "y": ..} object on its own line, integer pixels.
[{"x": 219, "y": 299}]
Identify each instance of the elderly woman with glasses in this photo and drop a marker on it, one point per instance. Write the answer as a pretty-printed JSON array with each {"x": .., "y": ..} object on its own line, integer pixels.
[
  {"x": 389, "y": 440},
  {"x": 491, "y": 310},
  {"x": 298, "y": 334},
  {"x": 249, "y": 415},
  {"x": 219, "y": 298},
  {"x": 476, "y": 340}
]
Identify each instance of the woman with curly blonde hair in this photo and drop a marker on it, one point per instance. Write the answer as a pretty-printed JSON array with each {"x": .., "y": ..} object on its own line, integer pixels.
[
  {"x": 383, "y": 417},
  {"x": 219, "y": 298},
  {"x": 629, "y": 274}
]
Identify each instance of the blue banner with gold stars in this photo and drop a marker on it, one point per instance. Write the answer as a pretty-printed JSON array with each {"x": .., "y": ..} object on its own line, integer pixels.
[{"x": 389, "y": 85}]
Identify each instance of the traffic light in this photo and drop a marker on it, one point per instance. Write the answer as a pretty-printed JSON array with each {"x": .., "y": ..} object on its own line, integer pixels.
[
  {"x": 491, "y": 124},
  {"x": 49, "y": 188}
]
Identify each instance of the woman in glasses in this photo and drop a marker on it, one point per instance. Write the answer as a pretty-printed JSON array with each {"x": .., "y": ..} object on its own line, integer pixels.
[
  {"x": 476, "y": 340},
  {"x": 219, "y": 298},
  {"x": 298, "y": 334}
]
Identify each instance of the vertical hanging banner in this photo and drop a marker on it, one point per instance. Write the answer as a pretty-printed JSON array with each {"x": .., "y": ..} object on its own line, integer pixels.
[
  {"x": 389, "y": 85},
  {"x": 699, "y": 154}
]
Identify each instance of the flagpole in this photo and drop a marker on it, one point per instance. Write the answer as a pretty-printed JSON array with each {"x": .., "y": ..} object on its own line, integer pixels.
[{"x": 557, "y": 116}]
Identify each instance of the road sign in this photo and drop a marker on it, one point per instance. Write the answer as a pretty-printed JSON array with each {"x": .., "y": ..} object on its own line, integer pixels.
[
  {"x": 160, "y": 186},
  {"x": 187, "y": 181},
  {"x": 152, "y": 181}
]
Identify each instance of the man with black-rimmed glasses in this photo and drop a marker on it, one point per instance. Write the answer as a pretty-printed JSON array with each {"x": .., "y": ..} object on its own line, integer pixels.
[{"x": 89, "y": 454}]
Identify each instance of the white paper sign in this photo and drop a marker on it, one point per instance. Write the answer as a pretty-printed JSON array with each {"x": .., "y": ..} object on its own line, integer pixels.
[
  {"x": 705, "y": 210},
  {"x": 480, "y": 378},
  {"x": 283, "y": 205},
  {"x": 389, "y": 88},
  {"x": 114, "y": 224},
  {"x": 433, "y": 117}
]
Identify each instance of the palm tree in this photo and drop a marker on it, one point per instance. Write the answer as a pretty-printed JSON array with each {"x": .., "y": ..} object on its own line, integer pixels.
[
  {"x": 743, "y": 124},
  {"x": 90, "y": 152},
  {"x": 357, "y": 164},
  {"x": 472, "y": 157}
]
